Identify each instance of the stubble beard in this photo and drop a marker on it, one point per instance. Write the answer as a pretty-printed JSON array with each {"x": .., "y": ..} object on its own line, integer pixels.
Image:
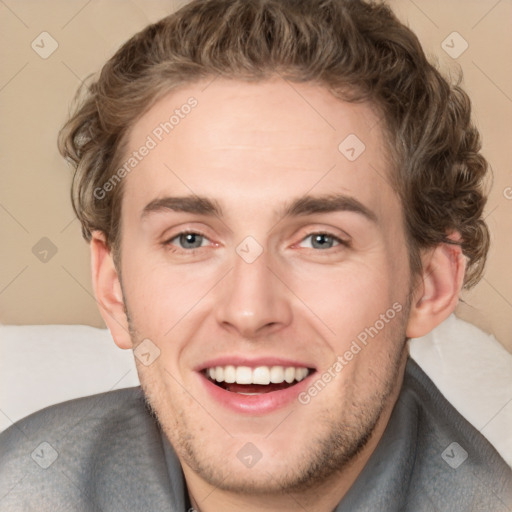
[{"x": 337, "y": 443}]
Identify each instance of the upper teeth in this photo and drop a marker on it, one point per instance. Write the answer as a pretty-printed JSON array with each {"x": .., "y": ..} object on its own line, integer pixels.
[{"x": 258, "y": 375}]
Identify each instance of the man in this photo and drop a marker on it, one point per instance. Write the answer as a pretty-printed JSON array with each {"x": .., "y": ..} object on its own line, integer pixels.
[{"x": 278, "y": 194}]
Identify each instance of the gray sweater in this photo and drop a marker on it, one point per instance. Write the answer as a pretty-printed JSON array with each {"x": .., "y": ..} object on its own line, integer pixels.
[{"x": 107, "y": 453}]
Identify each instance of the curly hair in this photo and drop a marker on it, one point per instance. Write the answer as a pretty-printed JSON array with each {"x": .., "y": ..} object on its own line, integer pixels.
[{"x": 358, "y": 50}]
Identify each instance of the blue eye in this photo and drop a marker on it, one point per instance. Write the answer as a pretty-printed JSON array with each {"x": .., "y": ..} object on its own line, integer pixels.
[
  {"x": 323, "y": 241},
  {"x": 189, "y": 240}
]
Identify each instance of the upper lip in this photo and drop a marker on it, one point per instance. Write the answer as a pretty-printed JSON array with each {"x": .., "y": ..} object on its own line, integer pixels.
[{"x": 252, "y": 362}]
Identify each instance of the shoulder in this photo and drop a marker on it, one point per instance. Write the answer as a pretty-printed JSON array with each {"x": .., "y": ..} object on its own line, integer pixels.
[
  {"x": 77, "y": 451},
  {"x": 453, "y": 460},
  {"x": 75, "y": 420}
]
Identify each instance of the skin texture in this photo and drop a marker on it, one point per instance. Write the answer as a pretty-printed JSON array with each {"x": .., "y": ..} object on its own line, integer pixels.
[{"x": 253, "y": 149}]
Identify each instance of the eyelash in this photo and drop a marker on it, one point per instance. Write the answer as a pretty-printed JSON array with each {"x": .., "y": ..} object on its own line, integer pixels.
[
  {"x": 340, "y": 241},
  {"x": 167, "y": 244}
]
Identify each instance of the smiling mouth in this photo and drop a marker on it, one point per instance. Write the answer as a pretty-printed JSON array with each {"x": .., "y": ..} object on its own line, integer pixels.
[{"x": 245, "y": 380}]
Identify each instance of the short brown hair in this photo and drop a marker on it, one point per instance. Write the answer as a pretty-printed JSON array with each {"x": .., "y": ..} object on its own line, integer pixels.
[{"x": 357, "y": 50}]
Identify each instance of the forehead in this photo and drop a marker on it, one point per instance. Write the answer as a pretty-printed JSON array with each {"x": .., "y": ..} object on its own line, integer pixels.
[{"x": 241, "y": 142}]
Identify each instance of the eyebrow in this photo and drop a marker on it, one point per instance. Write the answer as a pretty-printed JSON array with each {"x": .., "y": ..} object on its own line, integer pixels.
[
  {"x": 309, "y": 205},
  {"x": 306, "y": 205},
  {"x": 187, "y": 204}
]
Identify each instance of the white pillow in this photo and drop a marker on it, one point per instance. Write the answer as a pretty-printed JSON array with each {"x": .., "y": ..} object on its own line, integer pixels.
[
  {"x": 41, "y": 365},
  {"x": 474, "y": 372}
]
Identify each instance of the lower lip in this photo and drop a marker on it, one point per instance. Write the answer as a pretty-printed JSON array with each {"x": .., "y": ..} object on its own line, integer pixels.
[{"x": 255, "y": 404}]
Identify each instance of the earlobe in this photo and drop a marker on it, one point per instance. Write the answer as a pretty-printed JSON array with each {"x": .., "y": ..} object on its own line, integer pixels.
[
  {"x": 435, "y": 297},
  {"x": 108, "y": 292}
]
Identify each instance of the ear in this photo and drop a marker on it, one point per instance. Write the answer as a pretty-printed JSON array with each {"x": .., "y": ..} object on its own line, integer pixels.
[
  {"x": 107, "y": 288},
  {"x": 437, "y": 293}
]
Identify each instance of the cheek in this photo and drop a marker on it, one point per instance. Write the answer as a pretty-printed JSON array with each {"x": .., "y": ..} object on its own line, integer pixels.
[
  {"x": 160, "y": 294},
  {"x": 349, "y": 296}
]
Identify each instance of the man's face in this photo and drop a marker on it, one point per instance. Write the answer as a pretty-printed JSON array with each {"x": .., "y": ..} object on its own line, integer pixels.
[{"x": 268, "y": 277}]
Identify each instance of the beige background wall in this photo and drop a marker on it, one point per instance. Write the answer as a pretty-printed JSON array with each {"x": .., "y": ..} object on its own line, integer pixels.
[{"x": 34, "y": 98}]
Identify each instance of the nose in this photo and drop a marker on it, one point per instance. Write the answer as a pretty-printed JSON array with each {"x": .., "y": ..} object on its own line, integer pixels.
[{"x": 253, "y": 301}]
